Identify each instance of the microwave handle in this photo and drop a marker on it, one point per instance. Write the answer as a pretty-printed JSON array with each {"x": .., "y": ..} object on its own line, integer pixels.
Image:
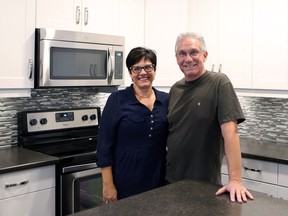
[{"x": 111, "y": 64}]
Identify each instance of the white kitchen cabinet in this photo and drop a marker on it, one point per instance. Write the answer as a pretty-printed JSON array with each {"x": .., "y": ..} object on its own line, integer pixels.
[
  {"x": 28, "y": 192},
  {"x": 256, "y": 175},
  {"x": 283, "y": 181},
  {"x": 270, "y": 44},
  {"x": 17, "y": 47},
  {"x": 164, "y": 20},
  {"x": 227, "y": 29},
  {"x": 131, "y": 26},
  {"x": 79, "y": 15}
]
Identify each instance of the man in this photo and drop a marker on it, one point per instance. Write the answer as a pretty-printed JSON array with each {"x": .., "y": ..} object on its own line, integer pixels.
[{"x": 203, "y": 115}]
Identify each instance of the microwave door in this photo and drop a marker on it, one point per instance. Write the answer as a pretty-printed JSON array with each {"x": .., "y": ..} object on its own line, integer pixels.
[{"x": 73, "y": 64}]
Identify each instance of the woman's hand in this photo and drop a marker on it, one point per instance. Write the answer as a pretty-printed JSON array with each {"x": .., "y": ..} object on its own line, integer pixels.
[
  {"x": 109, "y": 189},
  {"x": 109, "y": 193}
]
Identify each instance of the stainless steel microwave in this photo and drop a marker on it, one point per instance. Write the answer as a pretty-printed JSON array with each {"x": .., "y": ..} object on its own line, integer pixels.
[{"x": 73, "y": 59}]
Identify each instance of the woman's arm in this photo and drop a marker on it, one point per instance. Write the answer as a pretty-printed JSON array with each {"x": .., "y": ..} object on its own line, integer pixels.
[{"x": 109, "y": 189}]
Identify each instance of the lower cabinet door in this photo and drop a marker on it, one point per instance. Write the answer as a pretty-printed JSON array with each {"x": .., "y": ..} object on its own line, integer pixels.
[
  {"x": 40, "y": 203},
  {"x": 269, "y": 189},
  {"x": 283, "y": 192}
]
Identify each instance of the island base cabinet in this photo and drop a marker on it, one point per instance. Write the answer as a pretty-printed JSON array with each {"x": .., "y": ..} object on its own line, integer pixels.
[{"x": 32, "y": 204}]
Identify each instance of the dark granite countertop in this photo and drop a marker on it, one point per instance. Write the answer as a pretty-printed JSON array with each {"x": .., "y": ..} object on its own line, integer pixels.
[
  {"x": 16, "y": 158},
  {"x": 264, "y": 150},
  {"x": 189, "y": 198}
]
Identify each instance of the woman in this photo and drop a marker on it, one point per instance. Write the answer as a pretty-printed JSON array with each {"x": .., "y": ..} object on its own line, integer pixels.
[{"x": 131, "y": 147}]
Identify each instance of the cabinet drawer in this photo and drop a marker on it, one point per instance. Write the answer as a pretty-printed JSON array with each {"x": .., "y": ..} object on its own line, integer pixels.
[
  {"x": 283, "y": 175},
  {"x": 256, "y": 170},
  {"x": 26, "y": 181},
  {"x": 259, "y": 170},
  {"x": 41, "y": 203}
]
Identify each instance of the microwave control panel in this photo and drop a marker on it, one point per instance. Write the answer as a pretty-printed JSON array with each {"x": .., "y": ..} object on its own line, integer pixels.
[{"x": 118, "y": 65}]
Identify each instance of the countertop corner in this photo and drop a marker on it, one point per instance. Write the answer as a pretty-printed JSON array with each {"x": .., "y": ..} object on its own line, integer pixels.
[{"x": 16, "y": 158}]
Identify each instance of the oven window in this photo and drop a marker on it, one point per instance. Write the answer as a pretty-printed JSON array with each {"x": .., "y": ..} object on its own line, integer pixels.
[
  {"x": 88, "y": 192},
  {"x": 72, "y": 63}
]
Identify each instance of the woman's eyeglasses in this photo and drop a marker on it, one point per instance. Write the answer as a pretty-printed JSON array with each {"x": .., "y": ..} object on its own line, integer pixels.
[{"x": 138, "y": 69}]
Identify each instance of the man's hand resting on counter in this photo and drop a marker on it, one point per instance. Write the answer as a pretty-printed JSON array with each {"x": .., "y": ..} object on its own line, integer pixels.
[{"x": 236, "y": 189}]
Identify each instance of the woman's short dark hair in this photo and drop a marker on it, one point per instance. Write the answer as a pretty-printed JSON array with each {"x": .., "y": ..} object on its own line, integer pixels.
[{"x": 138, "y": 53}]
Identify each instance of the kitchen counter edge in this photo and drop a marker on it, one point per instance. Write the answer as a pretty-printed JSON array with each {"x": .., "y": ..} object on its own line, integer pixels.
[
  {"x": 264, "y": 150},
  {"x": 16, "y": 158}
]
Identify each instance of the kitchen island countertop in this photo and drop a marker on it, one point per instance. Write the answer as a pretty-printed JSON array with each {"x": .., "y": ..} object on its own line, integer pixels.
[{"x": 188, "y": 197}]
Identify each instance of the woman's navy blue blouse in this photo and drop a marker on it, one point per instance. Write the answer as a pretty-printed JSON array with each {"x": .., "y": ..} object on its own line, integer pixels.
[{"x": 132, "y": 139}]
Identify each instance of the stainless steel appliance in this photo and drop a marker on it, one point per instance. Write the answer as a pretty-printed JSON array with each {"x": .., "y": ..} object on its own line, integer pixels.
[
  {"x": 71, "y": 135},
  {"x": 67, "y": 59}
]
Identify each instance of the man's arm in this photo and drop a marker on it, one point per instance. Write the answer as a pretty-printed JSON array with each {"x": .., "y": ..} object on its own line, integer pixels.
[{"x": 234, "y": 162}]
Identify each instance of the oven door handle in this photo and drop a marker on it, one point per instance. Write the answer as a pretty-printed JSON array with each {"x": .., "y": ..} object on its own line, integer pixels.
[{"x": 79, "y": 167}]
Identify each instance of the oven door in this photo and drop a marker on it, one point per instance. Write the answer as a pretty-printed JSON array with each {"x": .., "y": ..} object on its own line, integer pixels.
[{"x": 81, "y": 190}]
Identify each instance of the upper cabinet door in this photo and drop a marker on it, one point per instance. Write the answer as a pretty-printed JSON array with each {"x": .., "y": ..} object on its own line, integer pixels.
[
  {"x": 270, "y": 44},
  {"x": 227, "y": 29},
  {"x": 164, "y": 20},
  {"x": 131, "y": 26},
  {"x": 17, "y": 44},
  {"x": 101, "y": 16},
  {"x": 79, "y": 15},
  {"x": 63, "y": 15},
  {"x": 203, "y": 19},
  {"x": 235, "y": 41}
]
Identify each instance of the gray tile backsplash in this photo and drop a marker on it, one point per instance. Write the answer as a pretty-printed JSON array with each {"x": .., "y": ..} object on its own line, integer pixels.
[{"x": 266, "y": 118}]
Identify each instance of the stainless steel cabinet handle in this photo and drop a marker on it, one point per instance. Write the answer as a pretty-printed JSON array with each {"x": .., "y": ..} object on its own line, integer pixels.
[
  {"x": 77, "y": 14},
  {"x": 220, "y": 68},
  {"x": 252, "y": 169},
  {"x": 86, "y": 13},
  {"x": 30, "y": 69},
  {"x": 17, "y": 184}
]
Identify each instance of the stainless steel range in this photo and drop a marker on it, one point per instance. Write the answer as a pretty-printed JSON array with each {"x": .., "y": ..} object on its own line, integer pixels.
[{"x": 71, "y": 135}]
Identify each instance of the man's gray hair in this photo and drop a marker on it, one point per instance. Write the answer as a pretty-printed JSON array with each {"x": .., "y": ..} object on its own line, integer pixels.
[{"x": 197, "y": 36}]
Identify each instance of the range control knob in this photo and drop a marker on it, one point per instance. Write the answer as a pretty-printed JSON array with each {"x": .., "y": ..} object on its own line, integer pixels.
[
  {"x": 33, "y": 122},
  {"x": 85, "y": 117},
  {"x": 43, "y": 121},
  {"x": 93, "y": 117}
]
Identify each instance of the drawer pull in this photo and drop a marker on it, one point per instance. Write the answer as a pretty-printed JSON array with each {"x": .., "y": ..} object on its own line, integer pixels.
[
  {"x": 252, "y": 170},
  {"x": 17, "y": 184}
]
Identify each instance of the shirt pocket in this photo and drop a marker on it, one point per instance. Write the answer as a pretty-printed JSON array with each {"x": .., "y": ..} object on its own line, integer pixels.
[{"x": 136, "y": 119}]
